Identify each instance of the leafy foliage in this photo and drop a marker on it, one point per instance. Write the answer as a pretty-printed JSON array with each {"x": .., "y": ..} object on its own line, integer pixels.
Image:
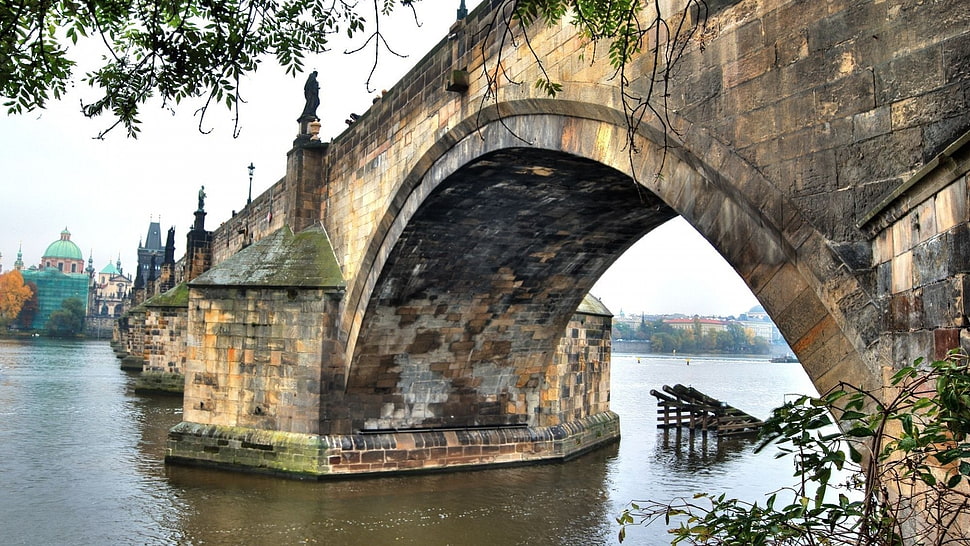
[
  {"x": 68, "y": 321},
  {"x": 172, "y": 49},
  {"x": 13, "y": 294},
  {"x": 895, "y": 473},
  {"x": 177, "y": 50}
]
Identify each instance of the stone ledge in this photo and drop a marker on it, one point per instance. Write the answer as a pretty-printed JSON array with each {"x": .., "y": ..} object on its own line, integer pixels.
[
  {"x": 947, "y": 166},
  {"x": 153, "y": 382},
  {"x": 310, "y": 456},
  {"x": 132, "y": 363}
]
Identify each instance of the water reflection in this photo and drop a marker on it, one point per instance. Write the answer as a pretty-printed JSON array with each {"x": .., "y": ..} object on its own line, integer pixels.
[
  {"x": 82, "y": 464},
  {"x": 682, "y": 451},
  {"x": 551, "y": 504}
]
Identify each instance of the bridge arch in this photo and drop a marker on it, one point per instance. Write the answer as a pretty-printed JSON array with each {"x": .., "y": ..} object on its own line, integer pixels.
[{"x": 400, "y": 323}]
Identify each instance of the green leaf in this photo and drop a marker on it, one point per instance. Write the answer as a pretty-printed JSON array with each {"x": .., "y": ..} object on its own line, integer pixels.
[
  {"x": 854, "y": 454},
  {"x": 853, "y": 415},
  {"x": 860, "y": 432},
  {"x": 948, "y": 456}
]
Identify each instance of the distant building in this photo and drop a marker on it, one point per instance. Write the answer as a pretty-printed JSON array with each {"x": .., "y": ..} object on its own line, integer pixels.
[
  {"x": 60, "y": 276},
  {"x": 757, "y": 313},
  {"x": 151, "y": 254},
  {"x": 19, "y": 263},
  {"x": 706, "y": 325},
  {"x": 758, "y": 321},
  {"x": 110, "y": 290},
  {"x": 64, "y": 255}
]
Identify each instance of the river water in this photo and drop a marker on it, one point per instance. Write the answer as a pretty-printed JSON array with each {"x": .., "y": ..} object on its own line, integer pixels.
[{"x": 81, "y": 462}]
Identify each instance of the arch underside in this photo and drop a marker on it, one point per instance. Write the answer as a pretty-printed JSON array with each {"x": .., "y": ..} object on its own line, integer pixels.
[
  {"x": 475, "y": 296},
  {"x": 488, "y": 248}
]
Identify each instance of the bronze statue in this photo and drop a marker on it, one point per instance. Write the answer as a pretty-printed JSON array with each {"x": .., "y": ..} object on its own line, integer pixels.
[
  {"x": 202, "y": 198},
  {"x": 311, "y": 91}
]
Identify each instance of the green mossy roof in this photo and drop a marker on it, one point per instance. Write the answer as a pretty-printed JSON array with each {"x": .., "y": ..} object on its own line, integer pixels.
[
  {"x": 283, "y": 259},
  {"x": 176, "y": 297},
  {"x": 593, "y": 306}
]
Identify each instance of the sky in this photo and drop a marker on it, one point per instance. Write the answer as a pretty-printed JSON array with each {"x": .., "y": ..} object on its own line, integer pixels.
[{"x": 55, "y": 174}]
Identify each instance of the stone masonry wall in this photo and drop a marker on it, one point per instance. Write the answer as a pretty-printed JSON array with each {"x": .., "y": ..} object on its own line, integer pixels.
[
  {"x": 429, "y": 386},
  {"x": 133, "y": 339},
  {"x": 254, "y": 357},
  {"x": 165, "y": 330},
  {"x": 266, "y": 214},
  {"x": 921, "y": 256},
  {"x": 578, "y": 384}
]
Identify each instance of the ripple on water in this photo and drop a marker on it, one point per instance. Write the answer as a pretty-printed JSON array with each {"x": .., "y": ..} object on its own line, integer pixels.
[{"x": 82, "y": 464}]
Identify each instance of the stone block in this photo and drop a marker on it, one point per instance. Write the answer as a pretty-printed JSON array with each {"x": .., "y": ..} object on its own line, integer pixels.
[
  {"x": 909, "y": 75},
  {"x": 932, "y": 260},
  {"x": 905, "y": 312},
  {"x": 902, "y": 272},
  {"x": 938, "y": 104},
  {"x": 884, "y": 276},
  {"x": 940, "y": 301},
  {"x": 951, "y": 205},
  {"x": 942, "y": 132},
  {"x": 944, "y": 340},
  {"x": 956, "y": 58},
  {"x": 848, "y": 96},
  {"x": 880, "y": 158},
  {"x": 752, "y": 65},
  {"x": 802, "y": 316}
]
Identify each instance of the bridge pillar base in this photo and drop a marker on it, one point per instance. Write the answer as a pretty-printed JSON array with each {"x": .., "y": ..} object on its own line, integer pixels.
[{"x": 310, "y": 456}]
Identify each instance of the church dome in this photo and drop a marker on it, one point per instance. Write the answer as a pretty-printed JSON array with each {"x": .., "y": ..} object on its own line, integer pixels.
[{"x": 64, "y": 248}]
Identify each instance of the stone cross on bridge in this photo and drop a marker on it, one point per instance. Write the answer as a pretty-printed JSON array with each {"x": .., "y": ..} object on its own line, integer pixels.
[{"x": 415, "y": 300}]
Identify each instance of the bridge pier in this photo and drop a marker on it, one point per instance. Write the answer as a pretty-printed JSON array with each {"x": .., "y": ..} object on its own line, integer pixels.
[
  {"x": 265, "y": 388},
  {"x": 315, "y": 456}
]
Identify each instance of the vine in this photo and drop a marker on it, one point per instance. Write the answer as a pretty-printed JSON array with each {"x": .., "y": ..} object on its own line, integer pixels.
[
  {"x": 627, "y": 27},
  {"x": 895, "y": 472}
]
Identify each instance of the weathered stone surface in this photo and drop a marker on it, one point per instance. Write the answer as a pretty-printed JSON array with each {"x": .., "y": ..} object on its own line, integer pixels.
[
  {"x": 468, "y": 235},
  {"x": 248, "y": 373},
  {"x": 311, "y": 456}
]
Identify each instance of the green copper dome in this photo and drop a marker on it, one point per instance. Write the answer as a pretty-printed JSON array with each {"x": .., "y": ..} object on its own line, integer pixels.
[
  {"x": 64, "y": 248},
  {"x": 110, "y": 269}
]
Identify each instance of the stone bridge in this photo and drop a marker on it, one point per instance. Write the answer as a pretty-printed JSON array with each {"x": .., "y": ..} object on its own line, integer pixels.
[{"x": 408, "y": 295}]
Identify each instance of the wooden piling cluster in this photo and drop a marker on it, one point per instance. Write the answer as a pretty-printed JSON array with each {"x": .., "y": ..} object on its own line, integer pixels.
[{"x": 688, "y": 407}]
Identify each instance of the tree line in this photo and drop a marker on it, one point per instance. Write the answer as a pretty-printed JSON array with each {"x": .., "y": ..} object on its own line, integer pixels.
[{"x": 665, "y": 338}]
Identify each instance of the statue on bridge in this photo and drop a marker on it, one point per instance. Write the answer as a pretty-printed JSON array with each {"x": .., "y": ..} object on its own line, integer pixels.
[
  {"x": 311, "y": 91},
  {"x": 202, "y": 198}
]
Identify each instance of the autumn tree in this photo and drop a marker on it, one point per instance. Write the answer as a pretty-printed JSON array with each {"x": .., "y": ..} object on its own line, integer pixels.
[
  {"x": 25, "y": 320},
  {"x": 13, "y": 294}
]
